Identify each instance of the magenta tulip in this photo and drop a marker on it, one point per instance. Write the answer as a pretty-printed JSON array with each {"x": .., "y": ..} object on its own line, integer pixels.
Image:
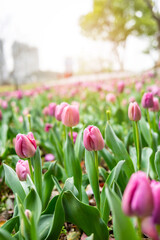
[
  {"x": 155, "y": 107},
  {"x": 121, "y": 86},
  {"x": 149, "y": 228},
  {"x": 59, "y": 110},
  {"x": 25, "y": 145},
  {"x": 138, "y": 198},
  {"x": 155, "y": 186},
  {"x": 92, "y": 139},
  {"x": 70, "y": 116},
  {"x": 1, "y": 115},
  {"x": 147, "y": 100},
  {"x": 48, "y": 126},
  {"x": 52, "y": 108},
  {"x": 134, "y": 111},
  {"x": 22, "y": 169},
  {"x": 74, "y": 136}
]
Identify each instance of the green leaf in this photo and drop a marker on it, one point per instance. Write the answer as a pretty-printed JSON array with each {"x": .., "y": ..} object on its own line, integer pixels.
[
  {"x": 108, "y": 158},
  {"x": 157, "y": 163},
  {"x": 119, "y": 150},
  {"x": 92, "y": 175},
  {"x": 33, "y": 203},
  {"x": 57, "y": 220},
  {"x": 51, "y": 206},
  {"x": 79, "y": 147},
  {"x": 122, "y": 225},
  {"x": 4, "y": 235},
  {"x": 44, "y": 225},
  {"x": 37, "y": 163},
  {"x": 10, "y": 224},
  {"x": 90, "y": 237},
  {"x": 13, "y": 182},
  {"x": 145, "y": 160},
  {"x": 4, "y": 131},
  {"x": 84, "y": 216},
  {"x": 144, "y": 126},
  {"x": 57, "y": 146}
]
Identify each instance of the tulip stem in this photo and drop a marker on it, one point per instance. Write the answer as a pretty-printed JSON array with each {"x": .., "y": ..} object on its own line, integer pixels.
[
  {"x": 96, "y": 166},
  {"x": 71, "y": 134},
  {"x": 138, "y": 147},
  {"x": 149, "y": 121},
  {"x": 29, "y": 121},
  {"x": 30, "y": 168},
  {"x": 139, "y": 228}
]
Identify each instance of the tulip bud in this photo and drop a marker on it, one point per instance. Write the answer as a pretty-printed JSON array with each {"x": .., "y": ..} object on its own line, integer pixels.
[
  {"x": 59, "y": 110},
  {"x": 92, "y": 139},
  {"x": 121, "y": 86},
  {"x": 155, "y": 107},
  {"x": 138, "y": 198},
  {"x": 28, "y": 213},
  {"x": 147, "y": 100},
  {"x": 25, "y": 145},
  {"x": 1, "y": 115},
  {"x": 48, "y": 126},
  {"x": 74, "y": 136},
  {"x": 22, "y": 169},
  {"x": 49, "y": 157},
  {"x": 52, "y": 108},
  {"x": 70, "y": 116},
  {"x": 46, "y": 111},
  {"x": 149, "y": 229},
  {"x": 155, "y": 186},
  {"x": 111, "y": 98},
  {"x": 134, "y": 112}
]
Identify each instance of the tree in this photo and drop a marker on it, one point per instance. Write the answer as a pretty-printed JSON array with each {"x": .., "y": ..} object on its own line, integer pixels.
[{"x": 115, "y": 20}]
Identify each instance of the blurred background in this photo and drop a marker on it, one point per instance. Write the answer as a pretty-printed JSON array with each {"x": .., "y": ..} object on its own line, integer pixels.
[{"x": 56, "y": 39}]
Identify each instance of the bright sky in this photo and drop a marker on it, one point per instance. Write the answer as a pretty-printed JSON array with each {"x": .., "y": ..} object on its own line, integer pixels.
[{"x": 52, "y": 26}]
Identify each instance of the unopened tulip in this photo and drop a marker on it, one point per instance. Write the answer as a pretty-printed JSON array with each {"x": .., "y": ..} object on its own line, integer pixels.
[
  {"x": 149, "y": 228},
  {"x": 70, "y": 116},
  {"x": 28, "y": 213},
  {"x": 46, "y": 111},
  {"x": 52, "y": 108},
  {"x": 49, "y": 157},
  {"x": 111, "y": 98},
  {"x": 147, "y": 100},
  {"x": 134, "y": 112},
  {"x": 48, "y": 126},
  {"x": 22, "y": 169},
  {"x": 59, "y": 110},
  {"x": 155, "y": 186},
  {"x": 138, "y": 198},
  {"x": 92, "y": 139},
  {"x": 155, "y": 107},
  {"x": 121, "y": 86},
  {"x": 74, "y": 136},
  {"x": 25, "y": 145},
  {"x": 4, "y": 104},
  {"x": 1, "y": 115}
]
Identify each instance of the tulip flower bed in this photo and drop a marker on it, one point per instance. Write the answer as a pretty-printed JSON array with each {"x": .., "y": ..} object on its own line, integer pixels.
[{"x": 81, "y": 161}]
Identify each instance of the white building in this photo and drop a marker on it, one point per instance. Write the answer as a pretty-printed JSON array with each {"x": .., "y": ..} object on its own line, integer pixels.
[
  {"x": 25, "y": 62},
  {"x": 3, "y": 70}
]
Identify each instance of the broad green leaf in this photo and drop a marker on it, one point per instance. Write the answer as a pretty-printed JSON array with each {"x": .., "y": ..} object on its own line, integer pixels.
[
  {"x": 145, "y": 160},
  {"x": 13, "y": 182},
  {"x": 119, "y": 150},
  {"x": 33, "y": 203},
  {"x": 51, "y": 206},
  {"x": 37, "y": 163},
  {"x": 144, "y": 127},
  {"x": 4, "y": 235},
  {"x": 57, "y": 146},
  {"x": 92, "y": 175},
  {"x": 58, "y": 220},
  {"x": 79, "y": 147},
  {"x": 157, "y": 163},
  {"x": 44, "y": 225},
  {"x": 10, "y": 224},
  {"x": 122, "y": 225},
  {"x": 84, "y": 216},
  {"x": 108, "y": 158}
]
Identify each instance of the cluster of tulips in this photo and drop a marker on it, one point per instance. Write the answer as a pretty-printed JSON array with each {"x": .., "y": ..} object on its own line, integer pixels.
[{"x": 121, "y": 164}]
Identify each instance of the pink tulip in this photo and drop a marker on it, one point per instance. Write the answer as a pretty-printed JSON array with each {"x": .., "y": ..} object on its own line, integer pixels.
[
  {"x": 20, "y": 119},
  {"x": 70, "y": 116},
  {"x": 74, "y": 136},
  {"x": 22, "y": 169},
  {"x": 52, "y": 108},
  {"x": 138, "y": 198},
  {"x": 149, "y": 229},
  {"x": 132, "y": 99},
  {"x": 59, "y": 110},
  {"x": 92, "y": 139},
  {"x": 155, "y": 186},
  {"x": 4, "y": 104},
  {"x": 25, "y": 145},
  {"x": 49, "y": 157},
  {"x": 155, "y": 107},
  {"x": 111, "y": 98},
  {"x": 147, "y": 100},
  {"x": 28, "y": 213},
  {"x": 121, "y": 86},
  {"x": 46, "y": 111},
  {"x": 134, "y": 112},
  {"x": 48, "y": 126},
  {"x": 1, "y": 115}
]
